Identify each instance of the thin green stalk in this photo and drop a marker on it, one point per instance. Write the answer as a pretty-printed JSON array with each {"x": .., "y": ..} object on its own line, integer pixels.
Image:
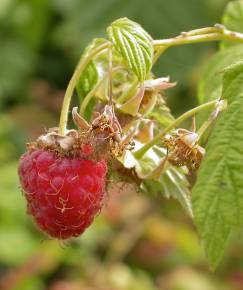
[
  {"x": 71, "y": 86},
  {"x": 206, "y": 125},
  {"x": 218, "y": 32},
  {"x": 139, "y": 154},
  {"x": 90, "y": 95},
  {"x": 222, "y": 104},
  {"x": 190, "y": 39},
  {"x": 204, "y": 30}
]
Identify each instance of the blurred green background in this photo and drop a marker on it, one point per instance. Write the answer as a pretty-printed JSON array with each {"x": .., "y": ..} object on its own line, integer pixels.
[{"x": 138, "y": 242}]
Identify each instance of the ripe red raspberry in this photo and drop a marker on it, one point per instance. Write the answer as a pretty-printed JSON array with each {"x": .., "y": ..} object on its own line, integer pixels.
[{"x": 63, "y": 193}]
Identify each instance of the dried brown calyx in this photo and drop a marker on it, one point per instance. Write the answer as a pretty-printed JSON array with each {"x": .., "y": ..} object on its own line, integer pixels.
[
  {"x": 105, "y": 130},
  {"x": 101, "y": 138},
  {"x": 183, "y": 149},
  {"x": 70, "y": 145}
]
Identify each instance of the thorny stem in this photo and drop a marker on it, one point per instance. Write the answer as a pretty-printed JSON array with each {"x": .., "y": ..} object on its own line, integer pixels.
[
  {"x": 71, "y": 86},
  {"x": 139, "y": 154}
]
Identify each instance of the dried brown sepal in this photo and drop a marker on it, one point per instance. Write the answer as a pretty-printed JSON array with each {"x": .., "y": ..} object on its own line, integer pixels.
[
  {"x": 80, "y": 122},
  {"x": 184, "y": 149},
  {"x": 102, "y": 138}
]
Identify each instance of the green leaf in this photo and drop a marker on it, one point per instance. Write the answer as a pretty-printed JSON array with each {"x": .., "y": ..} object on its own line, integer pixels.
[
  {"x": 210, "y": 86},
  {"x": 233, "y": 82},
  {"x": 233, "y": 19},
  {"x": 134, "y": 44},
  {"x": 217, "y": 197},
  {"x": 87, "y": 80},
  {"x": 171, "y": 183}
]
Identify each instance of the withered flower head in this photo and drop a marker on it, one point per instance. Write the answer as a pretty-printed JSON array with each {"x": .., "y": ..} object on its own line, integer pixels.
[{"x": 183, "y": 149}]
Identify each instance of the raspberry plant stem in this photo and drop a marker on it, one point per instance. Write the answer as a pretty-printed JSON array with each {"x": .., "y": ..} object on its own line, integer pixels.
[
  {"x": 139, "y": 153},
  {"x": 218, "y": 32},
  {"x": 71, "y": 86}
]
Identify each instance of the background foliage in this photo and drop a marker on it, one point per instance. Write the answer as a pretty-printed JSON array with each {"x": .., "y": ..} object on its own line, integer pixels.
[{"x": 139, "y": 241}]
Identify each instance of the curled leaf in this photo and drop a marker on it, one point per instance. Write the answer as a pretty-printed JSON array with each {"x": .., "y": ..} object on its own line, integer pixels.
[{"x": 134, "y": 44}]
